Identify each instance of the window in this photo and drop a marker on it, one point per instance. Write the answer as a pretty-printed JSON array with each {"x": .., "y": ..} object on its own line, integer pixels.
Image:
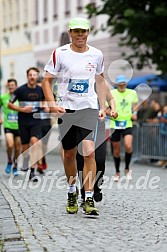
[
  {"x": 67, "y": 7},
  {"x": 36, "y": 17},
  {"x": 79, "y": 5},
  {"x": 55, "y": 33},
  {"x": 25, "y": 13},
  {"x": 55, "y": 9},
  {"x": 37, "y": 38},
  {"x": 45, "y": 9},
  {"x": 17, "y": 13},
  {"x": 45, "y": 36},
  {"x": 93, "y": 21},
  {"x": 4, "y": 16},
  {"x": 10, "y": 14},
  {"x": 12, "y": 69},
  {"x": 64, "y": 39}
]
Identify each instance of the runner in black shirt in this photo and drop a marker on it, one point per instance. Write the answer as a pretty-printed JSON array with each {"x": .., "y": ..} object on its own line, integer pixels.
[{"x": 29, "y": 96}]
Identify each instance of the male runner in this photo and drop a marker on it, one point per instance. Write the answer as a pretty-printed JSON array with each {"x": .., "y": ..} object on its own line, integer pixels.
[{"x": 77, "y": 67}]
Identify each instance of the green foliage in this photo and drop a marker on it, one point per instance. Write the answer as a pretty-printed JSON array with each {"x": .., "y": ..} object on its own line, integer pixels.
[
  {"x": 140, "y": 25},
  {"x": 0, "y": 73},
  {"x": 1, "y": 244}
]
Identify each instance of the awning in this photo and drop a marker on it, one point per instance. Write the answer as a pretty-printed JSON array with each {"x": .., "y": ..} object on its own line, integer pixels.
[{"x": 156, "y": 82}]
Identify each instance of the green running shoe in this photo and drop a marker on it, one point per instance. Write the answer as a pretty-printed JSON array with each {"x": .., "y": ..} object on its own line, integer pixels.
[
  {"x": 89, "y": 207},
  {"x": 82, "y": 202},
  {"x": 72, "y": 204}
]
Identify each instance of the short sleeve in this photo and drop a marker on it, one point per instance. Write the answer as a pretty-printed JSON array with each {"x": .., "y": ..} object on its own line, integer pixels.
[
  {"x": 15, "y": 96},
  {"x": 100, "y": 64},
  {"x": 52, "y": 65}
]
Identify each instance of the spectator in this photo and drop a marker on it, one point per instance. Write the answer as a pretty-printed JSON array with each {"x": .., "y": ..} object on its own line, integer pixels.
[
  {"x": 163, "y": 135},
  {"x": 148, "y": 112},
  {"x": 151, "y": 116}
]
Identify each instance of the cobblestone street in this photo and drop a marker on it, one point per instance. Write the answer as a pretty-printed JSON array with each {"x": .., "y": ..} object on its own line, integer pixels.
[{"x": 133, "y": 217}]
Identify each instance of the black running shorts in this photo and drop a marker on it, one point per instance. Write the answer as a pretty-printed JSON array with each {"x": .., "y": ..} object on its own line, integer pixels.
[
  {"x": 76, "y": 125},
  {"x": 28, "y": 131},
  {"x": 15, "y": 132},
  {"x": 116, "y": 135}
]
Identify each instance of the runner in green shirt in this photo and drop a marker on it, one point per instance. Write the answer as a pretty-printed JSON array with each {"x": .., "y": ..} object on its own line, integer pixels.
[
  {"x": 126, "y": 101},
  {"x": 10, "y": 123}
]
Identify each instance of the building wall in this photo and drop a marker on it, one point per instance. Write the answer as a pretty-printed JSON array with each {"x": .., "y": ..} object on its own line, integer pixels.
[
  {"x": 32, "y": 29},
  {"x": 17, "y": 66},
  {"x": 51, "y": 20},
  {"x": 16, "y": 46}
]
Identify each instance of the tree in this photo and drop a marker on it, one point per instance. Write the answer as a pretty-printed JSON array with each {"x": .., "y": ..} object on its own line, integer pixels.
[{"x": 141, "y": 26}]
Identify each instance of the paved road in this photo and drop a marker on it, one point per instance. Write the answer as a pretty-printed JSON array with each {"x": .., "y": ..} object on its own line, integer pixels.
[{"x": 133, "y": 217}]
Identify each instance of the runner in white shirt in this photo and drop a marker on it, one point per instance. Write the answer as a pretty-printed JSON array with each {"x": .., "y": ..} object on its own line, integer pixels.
[
  {"x": 77, "y": 67},
  {"x": 76, "y": 76}
]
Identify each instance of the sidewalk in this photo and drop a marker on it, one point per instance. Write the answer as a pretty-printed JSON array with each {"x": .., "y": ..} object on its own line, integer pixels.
[{"x": 33, "y": 217}]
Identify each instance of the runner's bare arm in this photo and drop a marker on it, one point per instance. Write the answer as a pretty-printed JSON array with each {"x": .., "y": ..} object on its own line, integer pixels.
[
  {"x": 26, "y": 109},
  {"x": 101, "y": 92},
  {"x": 111, "y": 102}
]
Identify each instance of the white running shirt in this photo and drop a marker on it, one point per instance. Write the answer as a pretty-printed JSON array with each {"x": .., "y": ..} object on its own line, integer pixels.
[{"x": 76, "y": 76}]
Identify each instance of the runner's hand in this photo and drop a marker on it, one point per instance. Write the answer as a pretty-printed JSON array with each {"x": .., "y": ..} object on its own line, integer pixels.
[
  {"x": 134, "y": 117},
  {"x": 113, "y": 114},
  {"x": 102, "y": 115},
  {"x": 56, "y": 110}
]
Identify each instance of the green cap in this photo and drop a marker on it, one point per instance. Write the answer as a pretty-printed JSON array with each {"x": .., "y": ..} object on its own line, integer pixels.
[{"x": 79, "y": 23}]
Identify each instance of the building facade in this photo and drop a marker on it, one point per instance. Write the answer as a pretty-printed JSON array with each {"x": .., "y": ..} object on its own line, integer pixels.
[
  {"x": 16, "y": 39},
  {"x": 32, "y": 29},
  {"x": 51, "y": 18}
]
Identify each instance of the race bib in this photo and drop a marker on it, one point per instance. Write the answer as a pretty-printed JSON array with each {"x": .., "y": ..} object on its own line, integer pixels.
[
  {"x": 12, "y": 117},
  {"x": 120, "y": 124},
  {"x": 78, "y": 86}
]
